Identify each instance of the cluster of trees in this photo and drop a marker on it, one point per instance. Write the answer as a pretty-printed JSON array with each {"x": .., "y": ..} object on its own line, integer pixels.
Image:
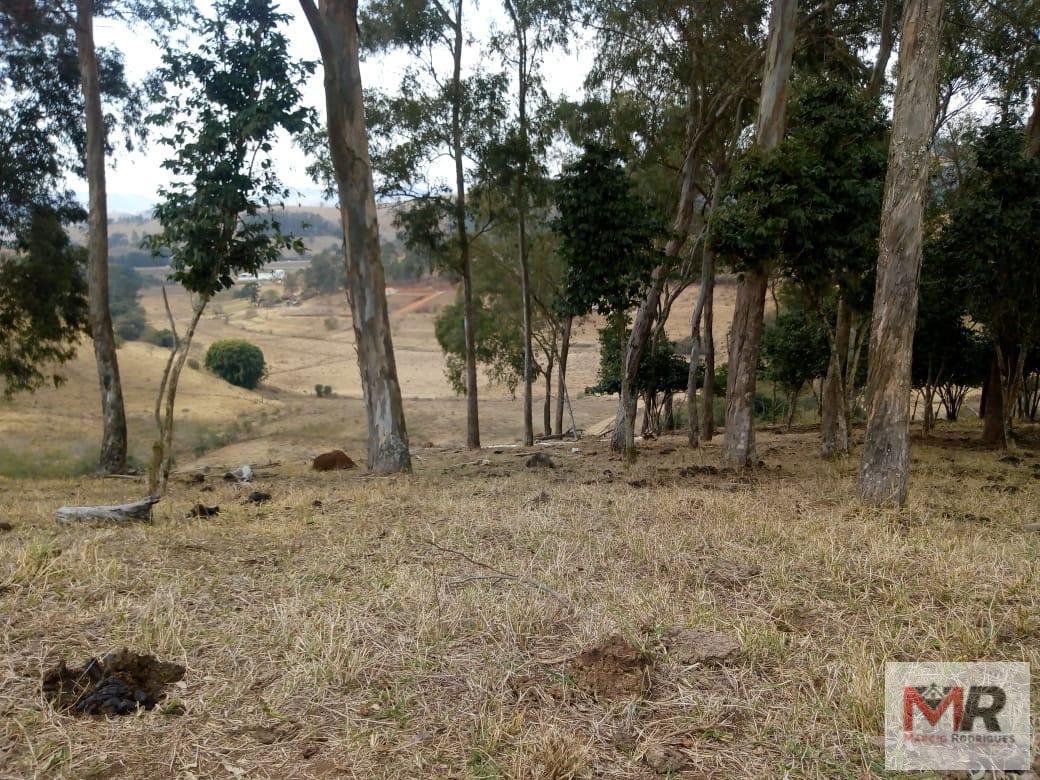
[{"x": 725, "y": 135}]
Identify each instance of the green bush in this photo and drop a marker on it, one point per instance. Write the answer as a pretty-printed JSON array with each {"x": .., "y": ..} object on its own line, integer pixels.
[
  {"x": 236, "y": 361},
  {"x": 160, "y": 338}
]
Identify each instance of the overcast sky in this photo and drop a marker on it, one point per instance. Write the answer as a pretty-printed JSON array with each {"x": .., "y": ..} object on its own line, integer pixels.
[{"x": 134, "y": 178}]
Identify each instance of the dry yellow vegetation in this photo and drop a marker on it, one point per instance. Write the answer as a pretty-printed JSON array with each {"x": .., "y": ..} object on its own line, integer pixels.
[{"x": 421, "y": 626}]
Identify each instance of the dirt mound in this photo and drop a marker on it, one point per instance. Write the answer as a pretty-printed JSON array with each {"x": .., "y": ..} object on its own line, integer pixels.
[
  {"x": 117, "y": 684},
  {"x": 612, "y": 668},
  {"x": 337, "y": 460}
]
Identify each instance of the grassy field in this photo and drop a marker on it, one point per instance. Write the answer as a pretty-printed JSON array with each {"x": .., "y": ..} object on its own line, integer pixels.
[
  {"x": 432, "y": 625},
  {"x": 426, "y": 626}
]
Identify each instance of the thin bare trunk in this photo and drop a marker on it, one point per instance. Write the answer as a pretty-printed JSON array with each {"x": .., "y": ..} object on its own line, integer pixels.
[
  {"x": 877, "y": 75},
  {"x": 708, "y": 421},
  {"x": 550, "y": 360},
  {"x": 704, "y": 295},
  {"x": 112, "y": 459},
  {"x": 834, "y": 430},
  {"x": 746, "y": 332},
  {"x": 884, "y": 469},
  {"x": 525, "y": 269},
  {"x": 623, "y": 439},
  {"x": 162, "y": 450},
  {"x": 565, "y": 346},
  {"x": 334, "y": 24}
]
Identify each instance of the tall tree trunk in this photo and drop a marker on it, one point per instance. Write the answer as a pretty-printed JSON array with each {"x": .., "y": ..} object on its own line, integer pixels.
[
  {"x": 834, "y": 430},
  {"x": 334, "y": 23},
  {"x": 708, "y": 419},
  {"x": 561, "y": 385},
  {"x": 746, "y": 333},
  {"x": 525, "y": 269},
  {"x": 884, "y": 469},
  {"x": 465, "y": 258},
  {"x": 1033, "y": 128},
  {"x": 694, "y": 432},
  {"x": 547, "y": 407},
  {"x": 112, "y": 459},
  {"x": 992, "y": 410},
  {"x": 624, "y": 438}
]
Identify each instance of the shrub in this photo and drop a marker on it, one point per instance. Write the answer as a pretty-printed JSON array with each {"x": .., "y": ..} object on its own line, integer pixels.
[
  {"x": 193, "y": 363},
  {"x": 328, "y": 391},
  {"x": 236, "y": 361},
  {"x": 160, "y": 338},
  {"x": 319, "y": 390},
  {"x": 331, "y": 323},
  {"x": 269, "y": 298}
]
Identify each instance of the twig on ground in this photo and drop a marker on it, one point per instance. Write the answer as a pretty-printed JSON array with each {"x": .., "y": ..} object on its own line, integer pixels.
[{"x": 501, "y": 575}]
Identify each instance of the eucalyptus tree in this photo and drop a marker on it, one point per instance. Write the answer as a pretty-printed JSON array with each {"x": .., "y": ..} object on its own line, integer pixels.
[
  {"x": 746, "y": 331},
  {"x": 535, "y": 27},
  {"x": 227, "y": 98},
  {"x": 692, "y": 66},
  {"x": 885, "y": 464},
  {"x": 445, "y": 107},
  {"x": 349, "y": 169},
  {"x": 50, "y": 52}
]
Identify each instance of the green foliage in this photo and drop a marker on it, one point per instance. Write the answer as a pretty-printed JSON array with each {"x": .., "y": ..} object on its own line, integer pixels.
[
  {"x": 606, "y": 234},
  {"x": 795, "y": 349},
  {"x": 991, "y": 238},
  {"x": 662, "y": 369},
  {"x": 236, "y": 361},
  {"x": 499, "y": 349},
  {"x": 812, "y": 206},
  {"x": 227, "y": 99},
  {"x": 249, "y": 291},
  {"x": 269, "y": 298},
  {"x": 326, "y": 274},
  {"x": 162, "y": 337},
  {"x": 124, "y": 288},
  {"x": 43, "y": 308}
]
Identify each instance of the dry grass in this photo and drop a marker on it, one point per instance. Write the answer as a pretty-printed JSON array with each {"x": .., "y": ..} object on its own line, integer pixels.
[{"x": 336, "y": 641}]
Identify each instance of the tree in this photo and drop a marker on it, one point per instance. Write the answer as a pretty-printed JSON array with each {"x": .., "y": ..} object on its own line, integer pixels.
[
  {"x": 885, "y": 464},
  {"x": 237, "y": 362},
  {"x": 993, "y": 234},
  {"x": 53, "y": 55},
  {"x": 810, "y": 209},
  {"x": 795, "y": 350},
  {"x": 437, "y": 111},
  {"x": 689, "y": 65},
  {"x": 335, "y": 27},
  {"x": 43, "y": 307},
  {"x": 536, "y": 26},
  {"x": 226, "y": 101},
  {"x": 746, "y": 330}
]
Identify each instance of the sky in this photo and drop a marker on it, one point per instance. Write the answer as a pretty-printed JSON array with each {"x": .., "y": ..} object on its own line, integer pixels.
[{"x": 133, "y": 178}]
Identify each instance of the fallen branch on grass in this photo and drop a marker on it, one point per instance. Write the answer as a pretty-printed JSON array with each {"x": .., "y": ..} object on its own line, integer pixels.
[{"x": 134, "y": 512}]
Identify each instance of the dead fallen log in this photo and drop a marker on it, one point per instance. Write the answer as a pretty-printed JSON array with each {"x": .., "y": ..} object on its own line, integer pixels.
[{"x": 134, "y": 512}]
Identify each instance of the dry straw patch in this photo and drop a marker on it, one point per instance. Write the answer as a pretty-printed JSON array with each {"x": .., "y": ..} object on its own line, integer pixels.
[{"x": 421, "y": 626}]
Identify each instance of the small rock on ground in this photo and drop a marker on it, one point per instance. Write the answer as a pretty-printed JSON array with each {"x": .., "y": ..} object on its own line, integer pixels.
[
  {"x": 664, "y": 759},
  {"x": 697, "y": 646}
]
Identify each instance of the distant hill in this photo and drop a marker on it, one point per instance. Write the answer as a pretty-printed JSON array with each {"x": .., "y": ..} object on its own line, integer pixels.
[{"x": 319, "y": 226}]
